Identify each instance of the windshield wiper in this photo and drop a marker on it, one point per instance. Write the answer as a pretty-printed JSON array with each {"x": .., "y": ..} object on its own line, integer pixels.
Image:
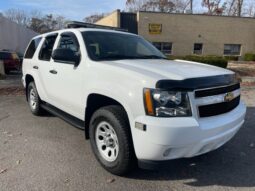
[
  {"x": 122, "y": 57},
  {"x": 116, "y": 57},
  {"x": 151, "y": 57}
]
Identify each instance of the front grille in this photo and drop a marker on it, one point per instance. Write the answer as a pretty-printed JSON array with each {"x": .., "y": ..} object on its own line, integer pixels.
[
  {"x": 218, "y": 108},
  {"x": 216, "y": 91}
]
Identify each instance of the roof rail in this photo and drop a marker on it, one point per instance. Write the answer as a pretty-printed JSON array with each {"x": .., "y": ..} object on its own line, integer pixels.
[{"x": 77, "y": 24}]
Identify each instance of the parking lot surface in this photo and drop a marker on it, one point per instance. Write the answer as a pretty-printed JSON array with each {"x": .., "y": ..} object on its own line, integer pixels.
[{"x": 46, "y": 153}]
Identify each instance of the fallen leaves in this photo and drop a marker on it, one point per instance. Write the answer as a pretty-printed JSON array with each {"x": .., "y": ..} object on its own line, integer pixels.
[
  {"x": 110, "y": 180},
  {"x": 3, "y": 171},
  {"x": 67, "y": 180},
  {"x": 18, "y": 162},
  {"x": 9, "y": 91}
]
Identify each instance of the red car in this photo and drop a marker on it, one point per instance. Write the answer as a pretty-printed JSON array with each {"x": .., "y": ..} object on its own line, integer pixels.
[{"x": 11, "y": 61}]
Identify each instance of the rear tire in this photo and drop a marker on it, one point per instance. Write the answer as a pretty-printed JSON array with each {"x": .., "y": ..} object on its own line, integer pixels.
[
  {"x": 111, "y": 140},
  {"x": 34, "y": 99}
]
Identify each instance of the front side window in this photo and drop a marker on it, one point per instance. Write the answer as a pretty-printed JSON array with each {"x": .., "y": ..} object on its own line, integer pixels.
[
  {"x": 46, "y": 50},
  {"x": 117, "y": 46},
  {"x": 165, "y": 47},
  {"x": 32, "y": 48},
  {"x": 198, "y": 48},
  {"x": 232, "y": 49}
]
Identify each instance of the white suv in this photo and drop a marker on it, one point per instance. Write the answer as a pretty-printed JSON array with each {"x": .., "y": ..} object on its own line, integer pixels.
[{"x": 136, "y": 106}]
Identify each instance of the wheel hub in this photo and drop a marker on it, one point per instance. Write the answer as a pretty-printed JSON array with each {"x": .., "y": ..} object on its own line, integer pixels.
[
  {"x": 107, "y": 141},
  {"x": 32, "y": 99}
]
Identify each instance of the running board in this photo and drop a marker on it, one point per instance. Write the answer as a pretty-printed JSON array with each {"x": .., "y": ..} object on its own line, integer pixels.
[{"x": 63, "y": 115}]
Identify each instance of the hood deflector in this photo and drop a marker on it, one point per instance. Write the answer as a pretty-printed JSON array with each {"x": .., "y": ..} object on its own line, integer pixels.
[{"x": 197, "y": 83}]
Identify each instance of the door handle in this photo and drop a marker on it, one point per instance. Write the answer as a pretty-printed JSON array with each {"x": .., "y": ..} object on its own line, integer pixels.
[
  {"x": 53, "y": 71},
  {"x": 36, "y": 67}
]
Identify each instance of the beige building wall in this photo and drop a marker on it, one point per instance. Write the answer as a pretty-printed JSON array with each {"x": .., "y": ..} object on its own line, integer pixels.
[
  {"x": 185, "y": 30},
  {"x": 112, "y": 20}
]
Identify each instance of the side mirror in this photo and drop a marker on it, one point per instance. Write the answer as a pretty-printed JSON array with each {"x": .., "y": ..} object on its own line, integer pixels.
[{"x": 67, "y": 56}]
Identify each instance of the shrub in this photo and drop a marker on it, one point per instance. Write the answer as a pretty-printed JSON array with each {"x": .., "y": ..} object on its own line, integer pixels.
[
  {"x": 249, "y": 57},
  {"x": 212, "y": 60},
  {"x": 231, "y": 58}
]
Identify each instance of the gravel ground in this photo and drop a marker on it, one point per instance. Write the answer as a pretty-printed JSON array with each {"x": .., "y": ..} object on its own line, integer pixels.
[{"x": 45, "y": 153}]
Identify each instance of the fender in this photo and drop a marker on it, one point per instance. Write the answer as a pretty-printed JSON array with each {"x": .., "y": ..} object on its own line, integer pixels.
[{"x": 39, "y": 88}]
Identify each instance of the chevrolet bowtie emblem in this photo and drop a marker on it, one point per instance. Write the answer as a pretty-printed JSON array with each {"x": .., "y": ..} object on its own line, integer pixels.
[{"x": 228, "y": 97}]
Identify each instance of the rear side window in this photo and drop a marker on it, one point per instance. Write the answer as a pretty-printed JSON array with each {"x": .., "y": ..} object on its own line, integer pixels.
[
  {"x": 32, "y": 48},
  {"x": 5, "y": 55},
  {"x": 46, "y": 50},
  {"x": 69, "y": 41}
]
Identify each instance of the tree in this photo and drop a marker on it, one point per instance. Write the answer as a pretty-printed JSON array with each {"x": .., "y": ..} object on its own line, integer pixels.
[
  {"x": 18, "y": 16},
  {"x": 214, "y": 7},
  {"x": 135, "y": 5},
  {"x": 235, "y": 7},
  {"x": 167, "y": 6},
  {"x": 94, "y": 18},
  {"x": 47, "y": 23}
]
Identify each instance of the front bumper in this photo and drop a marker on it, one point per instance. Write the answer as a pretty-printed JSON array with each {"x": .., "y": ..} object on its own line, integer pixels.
[{"x": 171, "y": 138}]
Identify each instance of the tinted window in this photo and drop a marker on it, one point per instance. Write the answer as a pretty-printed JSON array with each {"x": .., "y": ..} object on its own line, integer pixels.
[
  {"x": 32, "y": 48},
  {"x": 116, "y": 46},
  {"x": 5, "y": 55},
  {"x": 46, "y": 50},
  {"x": 69, "y": 41}
]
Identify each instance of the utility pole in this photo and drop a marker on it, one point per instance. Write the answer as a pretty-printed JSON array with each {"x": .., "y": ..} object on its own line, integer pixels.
[
  {"x": 239, "y": 7},
  {"x": 191, "y": 6}
]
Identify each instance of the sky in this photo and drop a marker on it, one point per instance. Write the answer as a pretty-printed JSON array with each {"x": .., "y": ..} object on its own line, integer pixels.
[{"x": 71, "y": 9}]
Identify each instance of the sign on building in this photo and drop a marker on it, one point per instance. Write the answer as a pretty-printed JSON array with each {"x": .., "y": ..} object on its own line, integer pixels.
[{"x": 155, "y": 28}]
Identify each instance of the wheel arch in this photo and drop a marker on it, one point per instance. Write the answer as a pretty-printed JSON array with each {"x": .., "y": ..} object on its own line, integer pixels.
[
  {"x": 28, "y": 78},
  {"x": 96, "y": 101}
]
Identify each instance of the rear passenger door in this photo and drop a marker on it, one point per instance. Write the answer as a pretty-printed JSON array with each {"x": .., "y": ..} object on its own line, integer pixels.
[
  {"x": 68, "y": 78},
  {"x": 44, "y": 64}
]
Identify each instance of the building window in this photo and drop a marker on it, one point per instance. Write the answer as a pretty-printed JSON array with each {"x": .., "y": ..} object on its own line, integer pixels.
[
  {"x": 232, "y": 49},
  {"x": 198, "y": 48},
  {"x": 165, "y": 47}
]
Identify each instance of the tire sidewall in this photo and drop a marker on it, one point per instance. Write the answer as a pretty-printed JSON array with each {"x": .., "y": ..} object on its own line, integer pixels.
[
  {"x": 109, "y": 118},
  {"x": 30, "y": 87}
]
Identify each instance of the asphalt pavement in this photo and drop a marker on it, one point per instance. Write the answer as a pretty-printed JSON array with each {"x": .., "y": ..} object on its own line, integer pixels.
[{"x": 46, "y": 153}]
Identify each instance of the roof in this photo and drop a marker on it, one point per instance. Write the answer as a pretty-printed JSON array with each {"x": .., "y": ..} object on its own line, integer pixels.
[
  {"x": 83, "y": 30},
  {"x": 197, "y": 14}
]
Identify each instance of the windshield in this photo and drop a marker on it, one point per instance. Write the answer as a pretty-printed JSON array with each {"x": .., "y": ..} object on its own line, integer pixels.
[{"x": 118, "y": 46}]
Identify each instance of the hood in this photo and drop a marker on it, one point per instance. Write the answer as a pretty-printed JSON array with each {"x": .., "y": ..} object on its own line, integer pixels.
[{"x": 167, "y": 69}]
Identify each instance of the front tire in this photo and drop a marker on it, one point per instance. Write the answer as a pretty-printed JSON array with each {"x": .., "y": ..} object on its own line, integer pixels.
[
  {"x": 111, "y": 139},
  {"x": 34, "y": 99}
]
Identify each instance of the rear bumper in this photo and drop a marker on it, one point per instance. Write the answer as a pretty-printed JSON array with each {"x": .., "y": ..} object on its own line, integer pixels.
[{"x": 172, "y": 138}]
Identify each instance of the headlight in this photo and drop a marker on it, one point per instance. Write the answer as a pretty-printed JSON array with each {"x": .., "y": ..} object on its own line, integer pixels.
[{"x": 162, "y": 103}]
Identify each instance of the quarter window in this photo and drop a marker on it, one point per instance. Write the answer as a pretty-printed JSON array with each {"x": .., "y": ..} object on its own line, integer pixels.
[
  {"x": 165, "y": 47},
  {"x": 32, "y": 48},
  {"x": 46, "y": 50},
  {"x": 198, "y": 48},
  {"x": 232, "y": 49}
]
